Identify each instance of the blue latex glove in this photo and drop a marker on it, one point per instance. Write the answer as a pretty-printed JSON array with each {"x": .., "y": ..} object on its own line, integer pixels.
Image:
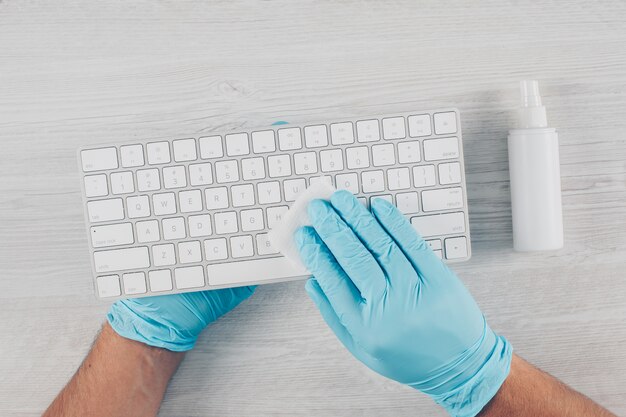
[
  {"x": 397, "y": 307},
  {"x": 173, "y": 322}
]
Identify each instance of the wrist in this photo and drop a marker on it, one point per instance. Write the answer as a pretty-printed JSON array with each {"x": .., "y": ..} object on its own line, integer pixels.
[
  {"x": 469, "y": 382},
  {"x": 139, "y": 322},
  {"x": 153, "y": 359}
]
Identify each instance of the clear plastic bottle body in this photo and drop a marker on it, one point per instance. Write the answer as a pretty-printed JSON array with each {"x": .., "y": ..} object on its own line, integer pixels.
[{"x": 535, "y": 189}]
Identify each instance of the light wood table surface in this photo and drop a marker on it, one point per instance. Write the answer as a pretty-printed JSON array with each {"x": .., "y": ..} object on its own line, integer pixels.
[{"x": 83, "y": 72}]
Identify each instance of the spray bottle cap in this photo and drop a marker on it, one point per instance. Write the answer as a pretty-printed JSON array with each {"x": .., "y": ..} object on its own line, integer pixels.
[{"x": 532, "y": 113}]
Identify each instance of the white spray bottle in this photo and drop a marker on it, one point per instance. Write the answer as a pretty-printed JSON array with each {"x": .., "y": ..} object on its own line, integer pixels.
[{"x": 535, "y": 176}]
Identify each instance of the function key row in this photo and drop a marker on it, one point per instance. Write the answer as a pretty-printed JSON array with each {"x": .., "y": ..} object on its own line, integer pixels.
[{"x": 289, "y": 138}]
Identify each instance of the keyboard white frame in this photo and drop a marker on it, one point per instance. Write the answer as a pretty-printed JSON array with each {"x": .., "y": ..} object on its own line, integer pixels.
[{"x": 144, "y": 142}]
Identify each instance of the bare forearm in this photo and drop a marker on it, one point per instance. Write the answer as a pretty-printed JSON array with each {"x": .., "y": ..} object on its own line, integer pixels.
[
  {"x": 528, "y": 391},
  {"x": 119, "y": 377}
]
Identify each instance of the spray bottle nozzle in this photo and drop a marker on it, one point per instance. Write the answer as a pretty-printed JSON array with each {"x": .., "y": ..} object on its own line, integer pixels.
[
  {"x": 530, "y": 93},
  {"x": 532, "y": 113}
]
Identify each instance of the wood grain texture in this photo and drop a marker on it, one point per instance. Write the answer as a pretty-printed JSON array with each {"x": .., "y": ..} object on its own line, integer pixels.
[{"x": 80, "y": 72}]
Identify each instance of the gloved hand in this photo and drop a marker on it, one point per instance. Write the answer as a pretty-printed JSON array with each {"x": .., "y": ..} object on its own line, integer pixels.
[
  {"x": 175, "y": 321},
  {"x": 397, "y": 307}
]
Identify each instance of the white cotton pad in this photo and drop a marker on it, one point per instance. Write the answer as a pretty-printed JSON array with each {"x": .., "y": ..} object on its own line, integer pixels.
[{"x": 282, "y": 236}]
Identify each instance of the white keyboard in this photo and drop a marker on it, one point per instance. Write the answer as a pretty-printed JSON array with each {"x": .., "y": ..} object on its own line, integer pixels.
[{"x": 189, "y": 214}]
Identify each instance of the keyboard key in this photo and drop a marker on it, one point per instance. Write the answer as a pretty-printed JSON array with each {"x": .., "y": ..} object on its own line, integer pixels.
[
  {"x": 368, "y": 131},
  {"x": 200, "y": 174},
  {"x": 189, "y": 252},
  {"x": 147, "y": 231},
  {"x": 305, "y": 163},
  {"x": 456, "y": 247},
  {"x": 341, "y": 133},
  {"x": 237, "y": 144},
  {"x": 419, "y": 126},
  {"x": 373, "y": 181},
  {"x": 174, "y": 177},
  {"x": 445, "y": 148},
  {"x": 163, "y": 255},
  {"x": 442, "y": 199},
  {"x": 242, "y": 195},
  {"x": 138, "y": 206},
  {"x": 357, "y": 157},
  {"x": 408, "y": 152},
  {"x": 132, "y": 156},
  {"x": 99, "y": 159},
  {"x": 407, "y": 203},
  {"x": 241, "y": 246},
  {"x": 173, "y": 228},
  {"x": 331, "y": 160},
  {"x": 263, "y": 245},
  {"x": 226, "y": 222},
  {"x": 215, "y": 249},
  {"x": 121, "y": 259},
  {"x": 293, "y": 187},
  {"x": 279, "y": 166},
  {"x": 439, "y": 224},
  {"x": 122, "y": 183},
  {"x": 105, "y": 210},
  {"x": 435, "y": 244},
  {"x": 251, "y": 220},
  {"x": 148, "y": 180},
  {"x": 449, "y": 173},
  {"x": 254, "y": 270},
  {"x": 189, "y": 277},
  {"x": 383, "y": 155},
  {"x": 211, "y": 147},
  {"x": 190, "y": 201},
  {"x": 164, "y": 204},
  {"x": 424, "y": 176},
  {"x": 134, "y": 283},
  {"x": 275, "y": 215},
  {"x": 226, "y": 171},
  {"x": 398, "y": 178},
  {"x": 158, "y": 153},
  {"x": 96, "y": 185},
  {"x": 263, "y": 142},
  {"x": 160, "y": 280},
  {"x": 268, "y": 192},
  {"x": 216, "y": 198},
  {"x": 323, "y": 178},
  {"x": 253, "y": 169},
  {"x": 199, "y": 225},
  {"x": 108, "y": 286},
  {"x": 348, "y": 182},
  {"x": 393, "y": 128},
  {"x": 112, "y": 235},
  {"x": 438, "y": 253},
  {"x": 315, "y": 136},
  {"x": 184, "y": 150},
  {"x": 289, "y": 139},
  {"x": 445, "y": 123}
]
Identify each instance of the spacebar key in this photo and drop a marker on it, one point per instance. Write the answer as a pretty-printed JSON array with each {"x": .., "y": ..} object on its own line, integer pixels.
[{"x": 255, "y": 270}]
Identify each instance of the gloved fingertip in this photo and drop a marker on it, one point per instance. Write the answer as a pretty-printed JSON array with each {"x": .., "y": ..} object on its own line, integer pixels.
[
  {"x": 303, "y": 236},
  {"x": 313, "y": 289},
  {"x": 342, "y": 197},
  {"x": 317, "y": 209},
  {"x": 382, "y": 206}
]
